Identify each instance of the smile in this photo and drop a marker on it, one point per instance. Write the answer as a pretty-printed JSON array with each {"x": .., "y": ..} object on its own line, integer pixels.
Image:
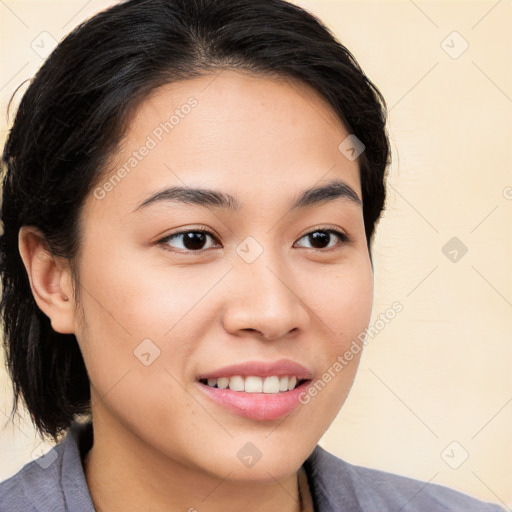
[{"x": 270, "y": 385}]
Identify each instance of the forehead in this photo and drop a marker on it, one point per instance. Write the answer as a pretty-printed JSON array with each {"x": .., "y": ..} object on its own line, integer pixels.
[{"x": 245, "y": 134}]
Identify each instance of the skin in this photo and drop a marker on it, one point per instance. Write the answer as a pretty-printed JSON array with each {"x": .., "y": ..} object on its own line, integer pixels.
[{"x": 160, "y": 443}]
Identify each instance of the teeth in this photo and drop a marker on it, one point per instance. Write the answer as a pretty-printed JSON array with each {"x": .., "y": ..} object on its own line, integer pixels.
[
  {"x": 222, "y": 383},
  {"x": 236, "y": 383},
  {"x": 252, "y": 384},
  {"x": 271, "y": 385}
]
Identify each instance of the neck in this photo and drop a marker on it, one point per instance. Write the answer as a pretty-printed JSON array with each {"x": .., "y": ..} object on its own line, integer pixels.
[{"x": 124, "y": 474}]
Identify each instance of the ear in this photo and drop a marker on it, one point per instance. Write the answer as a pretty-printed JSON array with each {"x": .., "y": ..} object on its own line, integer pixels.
[{"x": 50, "y": 280}]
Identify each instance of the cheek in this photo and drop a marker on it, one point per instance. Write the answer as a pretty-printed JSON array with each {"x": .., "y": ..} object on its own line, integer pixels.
[
  {"x": 342, "y": 299},
  {"x": 342, "y": 302},
  {"x": 146, "y": 297},
  {"x": 137, "y": 343},
  {"x": 143, "y": 318}
]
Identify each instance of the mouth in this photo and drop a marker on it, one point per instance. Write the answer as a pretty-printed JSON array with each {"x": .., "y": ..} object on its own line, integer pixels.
[
  {"x": 271, "y": 385},
  {"x": 260, "y": 391}
]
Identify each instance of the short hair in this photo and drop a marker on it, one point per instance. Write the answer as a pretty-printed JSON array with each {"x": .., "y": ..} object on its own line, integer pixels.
[{"x": 74, "y": 114}]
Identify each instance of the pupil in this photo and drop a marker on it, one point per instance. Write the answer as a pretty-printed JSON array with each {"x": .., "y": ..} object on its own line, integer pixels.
[
  {"x": 319, "y": 239},
  {"x": 194, "y": 240}
]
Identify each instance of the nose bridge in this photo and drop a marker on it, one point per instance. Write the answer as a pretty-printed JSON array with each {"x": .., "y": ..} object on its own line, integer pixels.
[{"x": 263, "y": 295}]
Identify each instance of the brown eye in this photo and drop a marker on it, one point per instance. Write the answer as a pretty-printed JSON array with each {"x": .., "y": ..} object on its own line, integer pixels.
[
  {"x": 324, "y": 238},
  {"x": 192, "y": 240}
]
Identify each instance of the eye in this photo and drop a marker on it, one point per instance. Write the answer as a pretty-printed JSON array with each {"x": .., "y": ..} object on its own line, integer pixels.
[
  {"x": 192, "y": 240},
  {"x": 322, "y": 238}
]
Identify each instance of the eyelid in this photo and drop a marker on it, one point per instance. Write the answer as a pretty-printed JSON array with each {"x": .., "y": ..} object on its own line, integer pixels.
[{"x": 194, "y": 228}]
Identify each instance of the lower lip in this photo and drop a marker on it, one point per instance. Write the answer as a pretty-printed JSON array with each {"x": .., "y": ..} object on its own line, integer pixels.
[{"x": 257, "y": 406}]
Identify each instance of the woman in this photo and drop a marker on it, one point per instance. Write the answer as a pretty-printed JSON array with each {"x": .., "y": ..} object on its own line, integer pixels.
[{"x": 190, "y": 194}]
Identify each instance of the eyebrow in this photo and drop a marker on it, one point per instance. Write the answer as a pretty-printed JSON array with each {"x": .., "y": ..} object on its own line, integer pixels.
[{"x": 335, "y": 189}]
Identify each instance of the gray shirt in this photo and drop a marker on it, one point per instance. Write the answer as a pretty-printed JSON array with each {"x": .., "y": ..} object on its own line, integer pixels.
[{"x": 56, "y": 482}]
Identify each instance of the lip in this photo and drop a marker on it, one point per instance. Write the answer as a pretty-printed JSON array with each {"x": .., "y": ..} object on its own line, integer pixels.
[
  {"x": 280, "y": 368},
  {"x": 256, "y": 406}
]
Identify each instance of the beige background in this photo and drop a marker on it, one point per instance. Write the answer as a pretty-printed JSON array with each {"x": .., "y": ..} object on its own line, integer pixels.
[{"x": 440, "y": 372}]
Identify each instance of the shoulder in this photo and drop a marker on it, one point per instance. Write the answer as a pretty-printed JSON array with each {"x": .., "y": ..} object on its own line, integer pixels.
[
  {"x": 55, "y": 481},
  {"x": 402, "y": 493},
  {"x": 372, "y": 490},
  {"x": 33, "y": 487}
]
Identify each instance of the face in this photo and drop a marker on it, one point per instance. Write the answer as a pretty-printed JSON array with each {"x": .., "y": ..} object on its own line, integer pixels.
[{"x": 177, "y": 286}]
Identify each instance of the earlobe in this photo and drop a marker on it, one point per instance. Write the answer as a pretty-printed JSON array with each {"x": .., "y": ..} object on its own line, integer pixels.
[{"x": 50, "y": 279}]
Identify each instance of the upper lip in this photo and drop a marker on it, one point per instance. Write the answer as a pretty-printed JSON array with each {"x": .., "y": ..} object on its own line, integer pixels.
[{"x": 281, "y": 368}]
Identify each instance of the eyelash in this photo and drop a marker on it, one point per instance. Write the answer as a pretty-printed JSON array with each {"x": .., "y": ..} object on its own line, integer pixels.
[{"x": 344, "y": 238}]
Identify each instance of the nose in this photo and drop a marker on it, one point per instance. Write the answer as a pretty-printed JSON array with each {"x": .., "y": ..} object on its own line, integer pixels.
[{"x": 265, "y": 297}]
